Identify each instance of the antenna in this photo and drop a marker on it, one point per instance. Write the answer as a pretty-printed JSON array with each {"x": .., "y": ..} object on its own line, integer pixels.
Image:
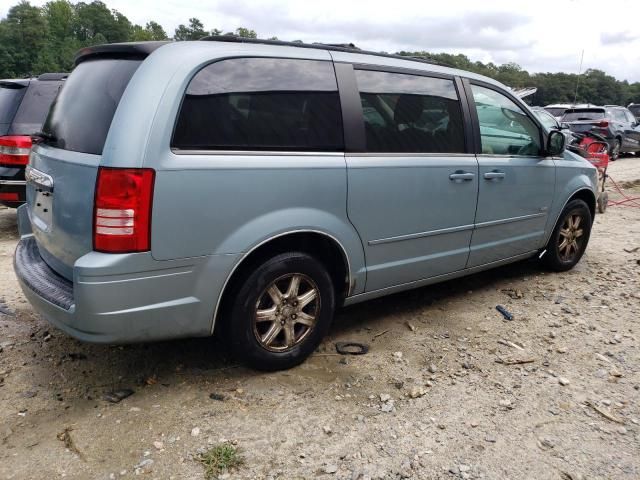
[{"x": 575, "y": 98}]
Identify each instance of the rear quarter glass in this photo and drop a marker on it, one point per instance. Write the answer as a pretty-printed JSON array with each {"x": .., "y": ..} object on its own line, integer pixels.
[
  {"x": 10, "y": 99},
  {"x": 81, "y": 115}
]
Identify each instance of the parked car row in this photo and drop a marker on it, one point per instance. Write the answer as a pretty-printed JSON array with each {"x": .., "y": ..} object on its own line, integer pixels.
[
  {"x": 24, "y": 104},
  {"x": 187, "y": 187}
]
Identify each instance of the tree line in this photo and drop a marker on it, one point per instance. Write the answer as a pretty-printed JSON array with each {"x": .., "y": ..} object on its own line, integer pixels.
[{"x": 35, "y": 39}]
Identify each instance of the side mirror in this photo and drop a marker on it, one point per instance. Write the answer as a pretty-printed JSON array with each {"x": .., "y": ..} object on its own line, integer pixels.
[{"x": 555, "y": 143}]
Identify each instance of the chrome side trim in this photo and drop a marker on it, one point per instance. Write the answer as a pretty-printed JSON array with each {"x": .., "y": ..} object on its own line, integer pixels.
[
  {"x": 443, "y": 231},
  {"x": 13, "y": 182},
  {"x": 408, "y": 154},
  {"x": 361, "y": 297},
  {"x": 256, "y": 153},
  {"x": 509, "y": 220},
  {"x": 412, "y": 236},
  {"x": 351, "y": 283}
]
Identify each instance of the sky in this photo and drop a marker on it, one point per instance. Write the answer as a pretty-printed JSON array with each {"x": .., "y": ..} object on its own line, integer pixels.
[{"x": 539, "y": 35}]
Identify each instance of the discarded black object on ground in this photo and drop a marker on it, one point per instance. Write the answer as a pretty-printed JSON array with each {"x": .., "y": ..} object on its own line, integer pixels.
[
  {"x": 351, "y": 348},
  {"x": 216, "y": 396},
  {"x": 505, "y": 313},
  {"x": 117, "y": 395}
]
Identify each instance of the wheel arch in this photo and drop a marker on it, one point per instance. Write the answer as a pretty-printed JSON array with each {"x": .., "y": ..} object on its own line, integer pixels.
[
  {"x": 323, "y": 246},
  {"x": 584, "y": 193}
]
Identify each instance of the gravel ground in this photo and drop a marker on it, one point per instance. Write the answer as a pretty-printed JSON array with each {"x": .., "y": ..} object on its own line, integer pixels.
[{"x": 449, "y": 388}]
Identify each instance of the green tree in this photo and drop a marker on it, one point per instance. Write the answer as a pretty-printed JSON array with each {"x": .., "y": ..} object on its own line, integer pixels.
[
  {"x": 94, "y": 22},
  {"x": 152, "y": 31},
  {"x": 22, "y": 35},
  {"x": 194, "y": 31}
]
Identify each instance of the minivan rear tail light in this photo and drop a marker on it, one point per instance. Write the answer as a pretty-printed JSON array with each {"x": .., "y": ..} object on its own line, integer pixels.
[
  {"x": 14, "y": 150},
  {"x": 122, "y": 210},
  {"x": 602, "y": 124}
]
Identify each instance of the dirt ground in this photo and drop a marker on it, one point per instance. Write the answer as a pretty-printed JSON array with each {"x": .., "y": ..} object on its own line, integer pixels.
[{"x": 449, "y": 388}]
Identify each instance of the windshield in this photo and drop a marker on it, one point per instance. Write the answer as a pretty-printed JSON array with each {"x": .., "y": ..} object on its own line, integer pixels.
[
  {"x": 81, "y": 115},
  {"x": 10, "y": 98},
  {"x": 578, "y": 115}
]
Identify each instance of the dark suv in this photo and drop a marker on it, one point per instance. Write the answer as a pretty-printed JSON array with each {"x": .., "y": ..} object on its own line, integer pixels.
[
  {"x": 24, "y": 104},
  {"x": 616, "y": 124},
  {"x": 635, "y": 109}
]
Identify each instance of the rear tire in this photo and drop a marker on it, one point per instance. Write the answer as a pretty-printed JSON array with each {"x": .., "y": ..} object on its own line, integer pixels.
[
  {"x": 282, "y": 312},
  {"x": 614, "y": 153},
  {"x": 569, "y": 238}
]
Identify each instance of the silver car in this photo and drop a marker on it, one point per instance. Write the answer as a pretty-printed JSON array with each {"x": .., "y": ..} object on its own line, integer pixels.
[{"x": 251, "y": 188}]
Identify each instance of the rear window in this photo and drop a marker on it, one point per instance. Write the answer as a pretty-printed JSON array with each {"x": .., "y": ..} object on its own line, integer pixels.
[
  {"x": 10, "y": 98},
  {"x": 578, "y": 115},
  {"x": 34, "y": 107},
  {"x": 81, "y": 115},
  {"x": 556, "y": 112},
  {"x": 261, "y": 104},
  {"x": 635, "y": 109}
]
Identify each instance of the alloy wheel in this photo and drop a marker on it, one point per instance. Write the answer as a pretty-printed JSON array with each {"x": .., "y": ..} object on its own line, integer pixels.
[
  {"x": 571, "y": 238},
  {"x": 286, "y": 312}
]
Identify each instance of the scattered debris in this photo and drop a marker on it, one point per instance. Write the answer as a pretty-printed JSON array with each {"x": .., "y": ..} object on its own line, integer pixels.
[
  {"x": 513, "y": 293},
  {"x": 195, "y": 431},
  {"x": 505, "y": 313},
  {"x": 380, "y": 334},
  {"x": 563, "y": 381},
  {"x": 351, "y": 348},
  {"x": 65, "y": 436},
  {"x": 217, "y": 396},
  {"x": 410, "y": 326},
  {"x": 631, "y": 250},
  {"x": 77, "y": 356},
  {"x": 515, "y": 360},
  {"x": 116, "y": 396},
  {"x": 604, "y": 412}
]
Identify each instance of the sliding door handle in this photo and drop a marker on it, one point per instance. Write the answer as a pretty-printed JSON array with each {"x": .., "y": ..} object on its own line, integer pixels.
[
  {"x": 460, "y": 176},
  {"x": 493, "y": 175}
]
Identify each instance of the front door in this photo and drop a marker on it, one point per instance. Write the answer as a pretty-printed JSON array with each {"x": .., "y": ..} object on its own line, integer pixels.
[
  {"x": 413, "y": 191},
  {"x": 516, "y": 182}
]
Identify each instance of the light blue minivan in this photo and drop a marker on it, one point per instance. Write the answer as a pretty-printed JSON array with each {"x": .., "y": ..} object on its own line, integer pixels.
[{"x": 252, "y": 187}]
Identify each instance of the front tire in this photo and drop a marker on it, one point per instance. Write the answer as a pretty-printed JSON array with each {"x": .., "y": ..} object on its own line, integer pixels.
[
  {"x": 282, "y": 312},
  {"x": 569, "y": 238}
]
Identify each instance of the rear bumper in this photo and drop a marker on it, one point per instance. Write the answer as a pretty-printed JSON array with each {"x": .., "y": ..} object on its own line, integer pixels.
[
  {"x": 124, "y": 298},
  {"x": 12, "y": 192}
]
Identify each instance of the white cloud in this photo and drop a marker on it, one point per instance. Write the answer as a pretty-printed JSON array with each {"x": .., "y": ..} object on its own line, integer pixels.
[{"x": 545, "y": 35}]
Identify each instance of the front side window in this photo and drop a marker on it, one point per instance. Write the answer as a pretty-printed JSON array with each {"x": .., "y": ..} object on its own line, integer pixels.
[
  {"x": 505, "y": 129},
  {"x": 261, "y": 104},
  {"x": 410, "y": 113}
]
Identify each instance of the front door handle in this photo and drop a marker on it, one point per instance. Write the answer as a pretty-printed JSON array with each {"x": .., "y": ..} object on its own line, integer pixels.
[
  {"x": 460, "y": 176},
  {"x": 494, "y": 174}
]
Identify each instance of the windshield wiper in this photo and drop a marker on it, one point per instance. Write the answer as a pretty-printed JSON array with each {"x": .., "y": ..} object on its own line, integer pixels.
[{"x": 43, "y": 136}]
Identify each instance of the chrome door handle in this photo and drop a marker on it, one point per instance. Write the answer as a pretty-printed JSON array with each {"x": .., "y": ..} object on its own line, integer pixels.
[
  {"x": 492, "y": 175},
  {"x": 461, "y": 176}
]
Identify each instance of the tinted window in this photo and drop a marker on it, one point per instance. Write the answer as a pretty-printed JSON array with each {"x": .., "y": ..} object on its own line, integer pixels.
[
  {"x": 10, "y": 98},
  {"x": 81, "y": 115},
  {"x": 34, "y": 107},
  {"x": 635, "y": 109},
  {"x": 410, "y": 113},
  {"x": 630, "y": 117},
  {"x": 261, "y": 104},
  {"x": 505, "y": 129},
  {"x": 556, "y": 112},
  {"x": 584, "y": 114}
]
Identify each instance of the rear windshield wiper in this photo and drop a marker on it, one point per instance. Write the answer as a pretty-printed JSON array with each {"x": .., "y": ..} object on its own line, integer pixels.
[{"x": 43, "y": 137}]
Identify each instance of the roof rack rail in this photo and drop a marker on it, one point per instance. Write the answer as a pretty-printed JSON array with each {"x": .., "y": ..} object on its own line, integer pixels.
[{"x": 335, "y": 47}]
